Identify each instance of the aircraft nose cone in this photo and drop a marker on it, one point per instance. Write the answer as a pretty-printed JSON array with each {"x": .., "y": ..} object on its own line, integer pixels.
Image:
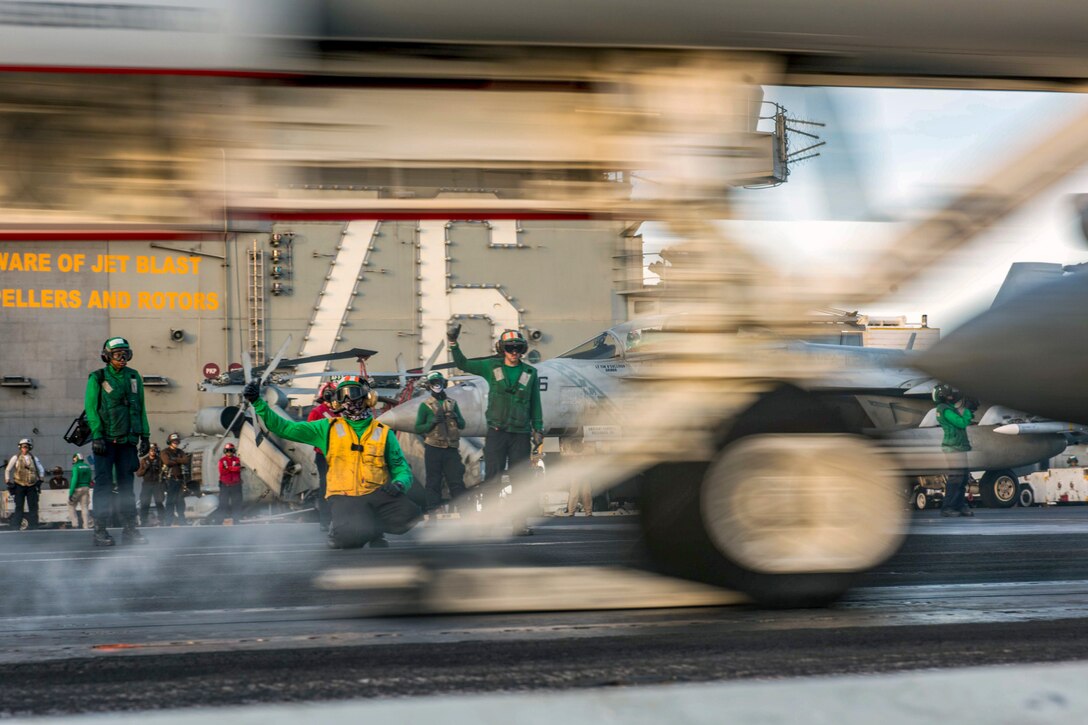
[
  {"x": 1028, "y": 353},
  {"x": 402, "y": 417}
]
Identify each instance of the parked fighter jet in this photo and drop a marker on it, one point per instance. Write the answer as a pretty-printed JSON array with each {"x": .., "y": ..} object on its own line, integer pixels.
[
  {"x": 1028, "y": 352},
  {"x": 874, "y": 391}
]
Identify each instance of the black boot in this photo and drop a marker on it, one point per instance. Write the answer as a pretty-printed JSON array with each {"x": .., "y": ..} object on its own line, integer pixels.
[
  {"x": 379, "y": 543},
  {"x": 102, "y": 537},
  {"x": 131, "y": 535}
]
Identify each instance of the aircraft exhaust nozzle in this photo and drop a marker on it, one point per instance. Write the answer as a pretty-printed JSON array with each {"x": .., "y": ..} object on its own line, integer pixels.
[{"x": 214, "y": 421}]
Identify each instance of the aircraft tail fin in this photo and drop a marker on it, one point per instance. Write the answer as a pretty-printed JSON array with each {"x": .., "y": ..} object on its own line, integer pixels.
[{"x": 1024, "y": 276}]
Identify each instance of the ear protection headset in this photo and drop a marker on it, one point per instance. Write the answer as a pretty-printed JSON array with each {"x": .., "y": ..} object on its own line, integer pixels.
[
  {"x": 509, "y": 336},
  {"x": 347, "y": 386}
]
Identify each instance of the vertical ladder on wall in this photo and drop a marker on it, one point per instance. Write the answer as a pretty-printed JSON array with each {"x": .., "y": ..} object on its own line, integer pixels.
[{"x": 255, "y": 294}]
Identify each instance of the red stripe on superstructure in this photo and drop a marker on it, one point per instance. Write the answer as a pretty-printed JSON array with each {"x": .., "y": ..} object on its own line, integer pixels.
[
  {"x": 105, "y": 235},
  {"x": 348, "y": 215},
  {"x": 262, "y": 216}
]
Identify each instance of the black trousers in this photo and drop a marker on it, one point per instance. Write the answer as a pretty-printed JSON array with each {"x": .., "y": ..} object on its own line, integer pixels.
[
  {"x": 175, "y": 501},
  {"x": 955, "y": 491},
  {"x": 230, "y": 501},
  {"x": 151, "y": 490},
  {"x": 502, "y": 450},
  {"x": 359, "y": 519},
  {"x": 443, "y": 463},
  {"x": 113, "y": 490},
  {"x": 28, "y": 496}
]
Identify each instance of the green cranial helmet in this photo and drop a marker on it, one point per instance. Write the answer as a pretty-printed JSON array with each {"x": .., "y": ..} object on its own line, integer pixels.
[
  {"x": 945, "y": 393},
  {"x": 113, "y": 344}
]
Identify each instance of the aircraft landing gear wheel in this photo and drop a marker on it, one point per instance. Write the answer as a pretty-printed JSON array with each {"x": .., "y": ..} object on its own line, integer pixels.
[
  {"x": 919, "y": 499},
  {"x": 1026, "y": 497},
  {"x": 999, "y": 489},
  {"x": 789, "y": 518}
]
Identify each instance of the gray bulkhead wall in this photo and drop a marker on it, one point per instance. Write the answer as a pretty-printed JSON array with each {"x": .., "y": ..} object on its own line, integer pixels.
[
  {"x": 561, "y": 275},
  {"x": 58, "y": 347}
]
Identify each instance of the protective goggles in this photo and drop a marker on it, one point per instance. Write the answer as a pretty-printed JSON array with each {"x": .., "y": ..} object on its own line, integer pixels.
[
  {"x": 518, "y": 347},
  {"x": 122, "y": 354},
  {"x": 351, "y": 393}
]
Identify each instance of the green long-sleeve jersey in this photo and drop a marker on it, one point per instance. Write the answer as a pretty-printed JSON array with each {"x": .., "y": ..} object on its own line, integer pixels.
[
  {"x": 954, "y": 423},
  {"x": 316, "y": 433},
  {"x": 81, "y": 476},
  {"x": 425, "y": 419},
  {"x": 114, "y": 402},
  {"x": 513, "y": 392}
]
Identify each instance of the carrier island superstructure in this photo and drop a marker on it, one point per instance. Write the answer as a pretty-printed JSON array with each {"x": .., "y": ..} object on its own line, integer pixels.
[{"x": 200, "y": 216}]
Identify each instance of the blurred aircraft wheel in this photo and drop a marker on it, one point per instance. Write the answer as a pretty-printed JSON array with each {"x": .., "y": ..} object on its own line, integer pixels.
[
  {"x": 1027, "y": 496},
  {"x": 999, "y": 489},
  {"x": 920, "y": 499},
  {"x": 791, "y": 511}
]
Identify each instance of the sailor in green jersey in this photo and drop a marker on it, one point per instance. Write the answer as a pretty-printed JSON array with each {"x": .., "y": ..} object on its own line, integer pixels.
[
  {"x": 440, "y": 422},
  {"x": 954, "y": 421},
  {"x": 114, "y": 403},
  {"x": 79, "y": 492},
  {"x": 514, "y": 416},
  {"x": 367, "y": 476}
]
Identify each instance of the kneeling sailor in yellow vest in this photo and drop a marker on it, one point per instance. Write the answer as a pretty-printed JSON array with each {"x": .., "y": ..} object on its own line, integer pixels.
[{"x": 367, "y": 476}]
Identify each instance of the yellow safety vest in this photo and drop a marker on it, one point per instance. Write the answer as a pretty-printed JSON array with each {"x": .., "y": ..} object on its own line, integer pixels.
[{"x": 356, "y": 463}]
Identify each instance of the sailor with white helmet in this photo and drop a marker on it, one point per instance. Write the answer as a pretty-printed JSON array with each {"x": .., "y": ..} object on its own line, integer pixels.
[{"x": 23, "y": 476}]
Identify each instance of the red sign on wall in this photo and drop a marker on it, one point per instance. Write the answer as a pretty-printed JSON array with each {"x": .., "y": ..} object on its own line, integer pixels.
[{"x": 211, "y": 370}]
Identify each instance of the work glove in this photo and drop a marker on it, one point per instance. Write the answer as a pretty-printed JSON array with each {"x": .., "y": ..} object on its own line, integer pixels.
[
  {"x": 11, "y": 488},
  {"x": 538, "y": 438},
  {"x": 144, "y": 446},
  {"x": 440, "y": 417},
  {"x": 71, "y": 499},
  {"x": 453, "y": 332},
  {"x": 391, "y": 488},
  {"x": 971, "y": 404},
  {"x": 98, "y": 447},
  {"x": 252, "y": 391}
]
